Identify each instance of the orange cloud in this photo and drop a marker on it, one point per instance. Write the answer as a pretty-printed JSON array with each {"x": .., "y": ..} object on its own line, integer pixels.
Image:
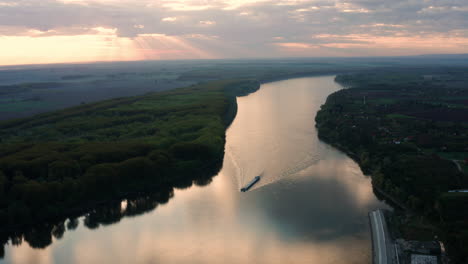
[
  {"x": 421, "y": 44},
  {"x": 296, "y": 45},
  {"x": 104, "y": 45},
  {"x": 56, "y": 49}
]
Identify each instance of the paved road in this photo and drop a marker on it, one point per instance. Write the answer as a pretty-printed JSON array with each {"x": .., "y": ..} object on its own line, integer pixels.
[{"x": 383, "y": 246}]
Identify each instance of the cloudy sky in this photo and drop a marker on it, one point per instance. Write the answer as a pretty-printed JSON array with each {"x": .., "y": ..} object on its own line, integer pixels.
[{"x": 49, "y": 31}]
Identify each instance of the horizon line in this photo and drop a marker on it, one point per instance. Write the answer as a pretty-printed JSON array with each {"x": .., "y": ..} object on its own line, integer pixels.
[{"x": 13, "y": 66}]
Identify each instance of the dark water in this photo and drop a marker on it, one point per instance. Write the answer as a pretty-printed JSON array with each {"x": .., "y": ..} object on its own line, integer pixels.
[{"x": 310, "y": 205}]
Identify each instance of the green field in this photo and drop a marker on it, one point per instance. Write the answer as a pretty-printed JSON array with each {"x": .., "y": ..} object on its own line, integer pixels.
[{"x": 20, "y": 106}]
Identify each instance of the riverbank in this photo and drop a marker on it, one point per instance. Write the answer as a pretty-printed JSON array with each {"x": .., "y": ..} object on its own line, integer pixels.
[
  {"x": 381, "y": 122},
  {"x": 26, "y": 219},
  {"x": 394, "y": 202},
  {"x": 66, "y": 162}
]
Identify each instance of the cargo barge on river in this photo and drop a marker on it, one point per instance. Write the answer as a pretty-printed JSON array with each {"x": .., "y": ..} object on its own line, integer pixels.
[{"x": 251, "y": 183}]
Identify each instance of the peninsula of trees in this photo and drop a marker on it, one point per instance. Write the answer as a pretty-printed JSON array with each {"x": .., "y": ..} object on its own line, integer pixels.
[{"x": 59, "y": 162}]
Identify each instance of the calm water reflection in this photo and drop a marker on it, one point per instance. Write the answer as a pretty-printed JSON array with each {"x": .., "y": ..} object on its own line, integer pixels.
[{"x": 309, "y": 207}]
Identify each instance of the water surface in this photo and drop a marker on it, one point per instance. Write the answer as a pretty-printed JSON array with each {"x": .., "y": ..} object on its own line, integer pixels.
[{"x": 310, "y": 205}]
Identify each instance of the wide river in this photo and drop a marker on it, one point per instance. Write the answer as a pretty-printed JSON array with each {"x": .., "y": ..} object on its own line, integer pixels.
[{"x": 310, "y": 205}]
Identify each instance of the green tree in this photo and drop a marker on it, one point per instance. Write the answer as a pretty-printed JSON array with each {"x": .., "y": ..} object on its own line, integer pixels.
[
  {"x": 99, "y": 179},
  {"x": 18, "y": 213},
  {"x": 136, "y": 168},
  {"x": 61, "y": 169},
  {"x": 58, "y": 230},
  {"x": 3, "y": 184}
]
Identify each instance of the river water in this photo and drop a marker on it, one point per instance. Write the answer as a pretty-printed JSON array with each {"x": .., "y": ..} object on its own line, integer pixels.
[{"x": 310, "y": 205}]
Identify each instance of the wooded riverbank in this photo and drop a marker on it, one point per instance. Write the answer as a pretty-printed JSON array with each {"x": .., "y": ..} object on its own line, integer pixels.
[
  {"x": 67, "y": 161},
  {"x": 384, "y": 120}
]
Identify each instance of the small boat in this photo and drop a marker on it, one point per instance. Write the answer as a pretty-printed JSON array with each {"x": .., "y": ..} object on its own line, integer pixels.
[{"x": 251, "y": 183}]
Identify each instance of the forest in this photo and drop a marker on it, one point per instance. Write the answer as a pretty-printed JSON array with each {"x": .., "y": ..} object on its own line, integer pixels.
[
  {"x": 59, "y": 163},
  {"x": 407, "y": 128}
]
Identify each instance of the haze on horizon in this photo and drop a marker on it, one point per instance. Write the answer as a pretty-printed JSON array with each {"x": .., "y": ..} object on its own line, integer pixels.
[{"x": 57, "y": 31}]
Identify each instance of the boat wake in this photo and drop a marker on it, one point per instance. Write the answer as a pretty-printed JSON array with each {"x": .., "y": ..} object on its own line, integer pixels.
[
  {"x": 244, "y": 171},
  {"x": 239, "y": 171},
  {"x": 309, "y": 160}
]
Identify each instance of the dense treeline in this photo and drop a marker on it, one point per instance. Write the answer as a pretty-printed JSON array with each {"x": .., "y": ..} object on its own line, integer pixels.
[
  {"x": 379, "y": 122},
  {"x": 54, "y": 163}
]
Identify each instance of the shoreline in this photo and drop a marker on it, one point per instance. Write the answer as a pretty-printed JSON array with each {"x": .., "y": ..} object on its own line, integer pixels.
[
  {"x": 83, "y": 209},
  {"x": 356, "y": 159},
  {"x": 229, "y": 117}
]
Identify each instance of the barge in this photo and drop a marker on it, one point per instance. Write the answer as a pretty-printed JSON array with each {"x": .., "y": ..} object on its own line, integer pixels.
[{"x": 251, "y": 183}]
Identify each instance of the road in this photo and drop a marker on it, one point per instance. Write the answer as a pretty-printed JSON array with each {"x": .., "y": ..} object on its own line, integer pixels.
[{"x": 382, "y": 245}]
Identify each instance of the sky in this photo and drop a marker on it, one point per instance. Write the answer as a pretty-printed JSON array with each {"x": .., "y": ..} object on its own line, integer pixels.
[{"x": 58, "y": 31}]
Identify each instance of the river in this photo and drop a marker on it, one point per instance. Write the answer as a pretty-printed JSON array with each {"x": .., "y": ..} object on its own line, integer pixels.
[{"x": 310, "y": 205}]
